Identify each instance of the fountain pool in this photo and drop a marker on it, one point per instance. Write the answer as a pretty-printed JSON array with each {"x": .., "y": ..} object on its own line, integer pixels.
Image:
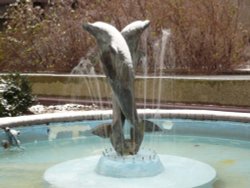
[{"x": 217, "y": 143}]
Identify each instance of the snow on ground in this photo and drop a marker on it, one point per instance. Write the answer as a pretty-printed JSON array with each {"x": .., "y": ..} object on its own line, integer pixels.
[{"x": 41, "y": 109}]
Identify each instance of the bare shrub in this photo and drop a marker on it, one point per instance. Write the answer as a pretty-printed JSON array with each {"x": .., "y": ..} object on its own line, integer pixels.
[
  {"x": 206, "y": 35},
  {"x": 42, "y": 40}
]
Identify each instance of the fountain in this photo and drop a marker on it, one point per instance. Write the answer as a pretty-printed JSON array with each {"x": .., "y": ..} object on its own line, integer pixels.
[{"x": 126, "y": 162}]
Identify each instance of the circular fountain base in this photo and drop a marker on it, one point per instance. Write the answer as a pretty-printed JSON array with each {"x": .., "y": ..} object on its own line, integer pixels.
[{"x": 110, "y": 172}]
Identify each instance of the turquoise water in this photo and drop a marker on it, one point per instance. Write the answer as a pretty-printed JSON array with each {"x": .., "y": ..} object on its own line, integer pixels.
[{"x": 230, "y": 157}]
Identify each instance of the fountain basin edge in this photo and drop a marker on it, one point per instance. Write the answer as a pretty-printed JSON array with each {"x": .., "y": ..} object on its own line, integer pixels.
[
  {"x": 27, "y": 120},
  {"x": 225, "y": 130}
]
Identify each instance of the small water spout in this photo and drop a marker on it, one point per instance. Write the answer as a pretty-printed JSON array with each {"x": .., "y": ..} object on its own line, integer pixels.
[
  {"x": 85, "y": 67},
  {"x": 144, "y": 61},
  {"x": 164, "y": 40},
  {"x": 165, "y": 37}
]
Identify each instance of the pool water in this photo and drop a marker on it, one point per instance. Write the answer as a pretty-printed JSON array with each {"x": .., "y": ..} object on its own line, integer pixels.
[{"x": 230, "y": 157}]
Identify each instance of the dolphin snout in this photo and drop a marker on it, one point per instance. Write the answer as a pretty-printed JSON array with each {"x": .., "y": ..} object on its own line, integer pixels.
[
  {"x": 92, "y": 29},
  {"x": 87, "y": 26},
  {"x": 147, "y": 22}
]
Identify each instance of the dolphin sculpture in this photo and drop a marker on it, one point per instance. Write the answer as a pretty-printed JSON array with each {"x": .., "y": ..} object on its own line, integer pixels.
[{"x": 118, "y": 66}]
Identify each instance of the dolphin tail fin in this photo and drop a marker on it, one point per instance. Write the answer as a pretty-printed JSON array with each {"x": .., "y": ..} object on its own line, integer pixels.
[
  {"x": 150, "y": 126},
  {"x": 103, "y": 130}
]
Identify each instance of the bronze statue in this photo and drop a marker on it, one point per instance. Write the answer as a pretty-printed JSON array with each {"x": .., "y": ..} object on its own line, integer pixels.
[{"x": 118, "y": 65}]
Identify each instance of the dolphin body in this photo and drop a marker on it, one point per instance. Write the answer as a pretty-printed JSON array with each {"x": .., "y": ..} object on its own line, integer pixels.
[{"x": 118, "y": 65}]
